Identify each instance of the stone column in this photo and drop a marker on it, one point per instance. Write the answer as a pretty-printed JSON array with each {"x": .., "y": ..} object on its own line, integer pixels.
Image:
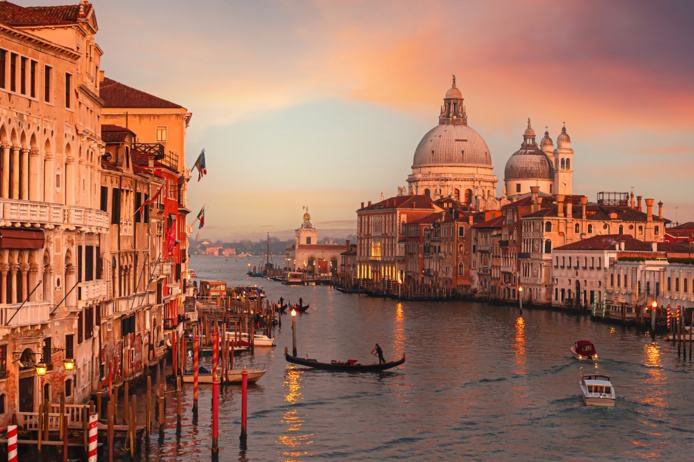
[
  {"x": 33, "y": 279},
  {"x": 48, "y": 178},
  {"x": 4, "y": 268},
  {"x": 5, "y": 176},
  {"x": 14, "y": 181},
  {"x": 24, "y": 174},
  {"x": 24, "y": 274},
  {"x": 14, "y": 267}
]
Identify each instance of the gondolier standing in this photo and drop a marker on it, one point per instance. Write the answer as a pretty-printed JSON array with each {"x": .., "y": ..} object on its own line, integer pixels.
[{"x": 377, "y": 349}]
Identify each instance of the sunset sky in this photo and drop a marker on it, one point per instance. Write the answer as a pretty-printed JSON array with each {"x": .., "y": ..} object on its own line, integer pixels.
[{"x": 322, "y": 103}]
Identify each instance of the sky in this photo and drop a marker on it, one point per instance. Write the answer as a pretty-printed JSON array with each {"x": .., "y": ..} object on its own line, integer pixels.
[{"x": 321, "y": 104}]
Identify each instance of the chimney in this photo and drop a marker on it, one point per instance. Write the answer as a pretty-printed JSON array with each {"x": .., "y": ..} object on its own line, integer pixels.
[
  {"x": 369, "y": 204},
  {"x": 654, "y": 246},
  {"x": 470, "y": 219},
  {"x": 638, "y": 202},
  {"x": 347, "y": 243},
  {"x": 584, "y": 201},
  {"x": 560, "y": 205},
  {"x": 631, "y": 201},
  {"x": 660, "y": 210},
  {"x": 649, "y": 209},
  {"x": 536, "y": 204}
]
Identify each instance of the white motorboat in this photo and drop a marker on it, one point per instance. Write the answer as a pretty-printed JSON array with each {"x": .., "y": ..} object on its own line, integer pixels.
[
  {"x": 259, "y": 339},
  {"x": 597, "y": 390},
  {"x": 232, "y": 376}
]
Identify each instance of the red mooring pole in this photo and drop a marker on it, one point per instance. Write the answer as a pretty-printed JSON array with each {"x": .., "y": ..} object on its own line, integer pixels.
[
  {"x": 196, "y": 346},
  {"x": 215, "y": 393},
  {"x": 244, "y": 404}
]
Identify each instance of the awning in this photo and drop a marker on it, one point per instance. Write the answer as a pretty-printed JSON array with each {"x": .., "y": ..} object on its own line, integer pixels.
[{"x": 12, "y": 238}]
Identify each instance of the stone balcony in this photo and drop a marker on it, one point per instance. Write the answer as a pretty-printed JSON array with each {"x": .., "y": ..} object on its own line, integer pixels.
[
  {"x": 30, "y": 214},
  {"x": 32, "y": 314}
]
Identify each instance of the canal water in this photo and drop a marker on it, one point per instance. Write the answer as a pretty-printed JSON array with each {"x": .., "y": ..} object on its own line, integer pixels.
[{"x": 480, "y": 383}]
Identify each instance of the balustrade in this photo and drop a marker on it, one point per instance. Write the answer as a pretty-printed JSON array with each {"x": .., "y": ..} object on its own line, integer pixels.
[{"x": 29, "y": 314}]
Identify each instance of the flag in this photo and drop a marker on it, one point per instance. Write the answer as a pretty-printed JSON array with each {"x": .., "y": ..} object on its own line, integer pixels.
[
  {"x": 201, "y": 217},
  {"x": 200, "y": 165},
  {"x": 150, "y": 200},
  {"x": 171, "y": 237}
]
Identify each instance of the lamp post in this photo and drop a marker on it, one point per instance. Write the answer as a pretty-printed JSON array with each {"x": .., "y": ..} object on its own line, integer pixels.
[
  {"x": 293, "y": 332},
  {"x": 654, "y": 308},
  {"x": 520, "y": 299}
]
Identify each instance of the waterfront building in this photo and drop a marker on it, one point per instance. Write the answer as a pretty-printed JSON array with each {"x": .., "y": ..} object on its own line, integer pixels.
[
  {"x": 52, "y": 277},
  {"x": 158, "y": 122},
  {"x": 486, "y": 258},
  {"x": 570, "y": 219},
  {"x": 381, "y": 240},
  {"x": 307, "y": 255},
  {"x": 131, "y": 319}
]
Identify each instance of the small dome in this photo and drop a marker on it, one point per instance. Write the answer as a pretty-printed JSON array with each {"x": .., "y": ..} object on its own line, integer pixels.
[
  {"x": 529, "y": 163},
  {"x": 563, "y": 140},
  {"x": 546, "y": 140},
  {"x": 307, "y": 217},
  {"x": 529, "y": 132},
  {"x": 454, "y": 92}
]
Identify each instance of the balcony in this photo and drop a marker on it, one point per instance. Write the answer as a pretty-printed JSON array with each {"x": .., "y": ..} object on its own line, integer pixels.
[
  {"x": 90, "y": 292},
  {"x": 91, "y": 219},
  {"x": 30, "y": 214},
  {"x": 30, "y": 314}
]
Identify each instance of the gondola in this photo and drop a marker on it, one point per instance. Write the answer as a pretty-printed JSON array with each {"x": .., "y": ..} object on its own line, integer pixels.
[
  {"x": 300, "y": 308},
  {"x": 339, "y": 366},
  {"x": 281, "y": 308}
]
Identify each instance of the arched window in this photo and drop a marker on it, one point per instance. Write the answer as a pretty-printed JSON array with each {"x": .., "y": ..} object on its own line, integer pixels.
[
  {"x": 577, "y": 229},
  {"x": 640, "y": 230},
  {"x": 468, "y": 197},
  {"x": 563, "y": 163},
  {"x": 548, "y": 246},
  {"x": 677, "y": 284},
  {"x": 657, "y": 230},
  {"x": 460, "y": 269},
  {"x": 548, "y": 227},
  {"x": 427, "y": 192},
  {"x": 685, "y": 288},
  {"x": 568, "y": 164},
  {"x": 621, "y": 229},
  {"x": 456, "y": 194},
  {"x": 590, "y": 229}
]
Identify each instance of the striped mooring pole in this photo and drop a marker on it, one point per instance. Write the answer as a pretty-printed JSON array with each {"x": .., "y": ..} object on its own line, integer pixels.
[
  {"x": 196, "y": 346},
  {"x": 92, "y": 436},
  {"x": 12, "y": 443}
]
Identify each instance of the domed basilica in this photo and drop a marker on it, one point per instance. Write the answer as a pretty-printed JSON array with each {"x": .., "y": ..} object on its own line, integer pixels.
[{"x": 454, "y": 161}]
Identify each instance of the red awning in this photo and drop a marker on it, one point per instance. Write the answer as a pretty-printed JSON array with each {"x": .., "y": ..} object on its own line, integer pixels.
[{"x": 21, "y": 239}]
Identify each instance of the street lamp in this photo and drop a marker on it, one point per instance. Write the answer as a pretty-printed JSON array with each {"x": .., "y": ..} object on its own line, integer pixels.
[
  {"x": 654, "y": 307},
  {"x": 520, "y": 299},
  {"x": 293, "y": 332}
]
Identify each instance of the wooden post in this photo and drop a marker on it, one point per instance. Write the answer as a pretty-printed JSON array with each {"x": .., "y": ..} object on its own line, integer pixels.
[
  {"x": 215, "y": 394},
  {"x": 126, "y": 403},
  {"x": 12, "y": 443},
  {"x": 132, "y": 425},
  {"x": 174, "y": 351},
  {"x": 46, "y": 421},
  {"x": 110, "y": 435},
  {"x": 41, "y": 424},
  {"x": 63, "y": 427},
  {"x": 244, "y": 407},
  {"x": 179, "y": 404},
  {"x": 98, "y": 403},
  {"x": 85, "y": 426},
  {"x": 148, "y": 411},
  {"x": 115, "y": 404},
  {"x": 63, "y": 422}
]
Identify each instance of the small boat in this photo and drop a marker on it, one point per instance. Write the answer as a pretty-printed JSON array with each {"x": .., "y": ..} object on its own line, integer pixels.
[
  {"x": 684, "y": 336},
  {"x": 597, "y": 390},
  {"x": 293, "y": 278},
  {"x": 351, "y": 365},
  {"x": 259, "y": 339},
  {"x": 192, "y": 273},
  {"x": 583, "y": 349},
  {"x": 233, "y": 375}
]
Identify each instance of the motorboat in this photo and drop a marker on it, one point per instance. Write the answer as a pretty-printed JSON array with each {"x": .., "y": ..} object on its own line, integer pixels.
[
  {"x": 584, "y": 349},
  {"x": 232, "y": 375},
  {"x": 597, "y": 390},
  {"x": 259, "y": 339}
]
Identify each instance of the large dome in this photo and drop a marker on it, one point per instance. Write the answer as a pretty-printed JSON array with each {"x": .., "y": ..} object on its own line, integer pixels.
[{"x": 449, "y": 144}]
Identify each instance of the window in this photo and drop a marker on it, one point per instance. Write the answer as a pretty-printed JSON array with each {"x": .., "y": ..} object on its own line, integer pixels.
[
  {"x": 548, "y": 227},
  {"x": 23, "y": 75},
  {"x": 563, "y": 163},
  {"x": 518, "y": 188},
  {"x": 32, "y": 79},
  {"x": 103, "y": 205},
  {"x": 640, "y": 230},
  {"x": 548, "y": 246},
  {"x": 669, "y": 285},
  {"x": 308, "y": 240},
  {"x": 70, "y": 346},
  {"x": 590, "y": 229},
  {"x": 621, "y": 229},
  {"x": 68, "y": 388},
  {"x": 47, "y": 83},
  {"x": 677, "y": 284},
  {"x": 577, "y": 229},
  {"x": 68, "y": 89},
  {"x": 115, "y": 207},
  {"x": 568, "y": 164},
  {"x": 13, "y": 72},
  {"x": 461, "y": 231},
  {"x": 47, "y": 347},
  {"x": 657, "y": 230},
  {"x": 3, "y": 77},
  {"x": 3, "y": 361},
  {"x": 461, "y": 269},
  {"x": 161, "y": 134}
]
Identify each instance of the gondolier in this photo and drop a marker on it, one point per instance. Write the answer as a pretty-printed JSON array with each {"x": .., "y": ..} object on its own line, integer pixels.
[{"x": 377, "y": 349}]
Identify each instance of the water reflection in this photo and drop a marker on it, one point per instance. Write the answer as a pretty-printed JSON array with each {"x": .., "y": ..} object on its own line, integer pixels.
[
  {"x": 292, "y": 439},
  {"x": 519, "y": 344},
  {"x": 399, "y": 333},
  {"x": 655, "y": 384}
]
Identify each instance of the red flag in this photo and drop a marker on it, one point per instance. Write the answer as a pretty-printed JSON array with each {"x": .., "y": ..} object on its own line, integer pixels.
[{"x": 151, "y": 200}]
